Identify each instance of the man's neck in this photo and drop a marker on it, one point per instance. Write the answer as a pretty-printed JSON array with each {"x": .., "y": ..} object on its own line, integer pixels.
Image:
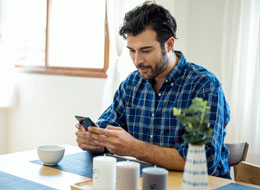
[{"x": 157, "y": 83}]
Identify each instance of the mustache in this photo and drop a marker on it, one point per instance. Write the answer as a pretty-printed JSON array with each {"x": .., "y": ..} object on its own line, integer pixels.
[{"x": 142, "y": 66}]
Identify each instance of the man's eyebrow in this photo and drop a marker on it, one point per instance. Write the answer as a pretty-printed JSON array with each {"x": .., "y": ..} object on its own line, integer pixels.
[
  {"x": 146, "y": 47},
  {"x": 142, "y": 48}
]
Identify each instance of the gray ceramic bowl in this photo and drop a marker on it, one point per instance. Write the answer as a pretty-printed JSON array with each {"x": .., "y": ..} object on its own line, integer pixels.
[{"x": 50, "y": 154}]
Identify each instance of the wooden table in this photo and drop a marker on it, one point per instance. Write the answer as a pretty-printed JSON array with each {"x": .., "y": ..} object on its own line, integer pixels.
[{"x": 19, "y": 164}]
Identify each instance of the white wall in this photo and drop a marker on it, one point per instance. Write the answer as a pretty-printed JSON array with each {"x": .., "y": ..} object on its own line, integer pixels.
[
  {"x": 46, "y": 108},
  {"x": 181, "y": 13},
  {"x": 199, "y": 30},
  {"x": 205, "y": 33}
]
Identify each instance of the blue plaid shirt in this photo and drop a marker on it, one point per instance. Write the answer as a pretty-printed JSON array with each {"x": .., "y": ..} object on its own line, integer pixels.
[{"x": 148, "y": 116}]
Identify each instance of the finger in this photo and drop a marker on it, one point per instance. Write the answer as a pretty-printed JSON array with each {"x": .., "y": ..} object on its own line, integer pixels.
[
  {"x": 113, "y": 127},
  {"x": 89, "y": 147},
  {"x": 85, "y": 138},
  {"x": 101, "y": 131},
  {"x": 100, "y": 143},
  {"x": 95, "y": 136},
  {"x": 82, "y": 128},
  {"x": 81, "y": 133}
]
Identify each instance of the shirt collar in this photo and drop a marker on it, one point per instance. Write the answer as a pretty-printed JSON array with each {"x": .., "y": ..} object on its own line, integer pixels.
[{"x": 178, "y": 68}]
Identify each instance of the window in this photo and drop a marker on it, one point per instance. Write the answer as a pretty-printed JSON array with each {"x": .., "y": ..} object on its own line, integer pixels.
[{"x": 61, "y": 37}]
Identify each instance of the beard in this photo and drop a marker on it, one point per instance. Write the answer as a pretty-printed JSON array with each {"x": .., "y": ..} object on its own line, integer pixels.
[{"x": 160, "y": 66}]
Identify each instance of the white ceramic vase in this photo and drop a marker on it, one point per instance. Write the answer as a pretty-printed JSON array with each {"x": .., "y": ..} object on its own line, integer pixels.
[{"x": 195, "y": 174}]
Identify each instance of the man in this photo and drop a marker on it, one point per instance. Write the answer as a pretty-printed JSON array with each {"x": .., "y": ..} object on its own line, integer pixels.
[{"x": 140, "y": 121}]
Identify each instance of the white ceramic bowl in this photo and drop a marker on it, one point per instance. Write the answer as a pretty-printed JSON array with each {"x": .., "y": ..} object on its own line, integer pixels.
[{"x": 50, "y": 154}]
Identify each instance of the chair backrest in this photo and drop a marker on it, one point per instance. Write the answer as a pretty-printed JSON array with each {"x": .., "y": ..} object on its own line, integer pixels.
[
  {"x": 248, "y": 173},
  {"x": 238, "y": 152}
]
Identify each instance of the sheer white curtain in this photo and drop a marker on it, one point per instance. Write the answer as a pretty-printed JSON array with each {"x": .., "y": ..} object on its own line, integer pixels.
[
  {"x": 7, "y": 80},
  {"x": 7, "y": 75},
  {"x": 241, "y": 72},
  {"x": 120, "y": 64}
]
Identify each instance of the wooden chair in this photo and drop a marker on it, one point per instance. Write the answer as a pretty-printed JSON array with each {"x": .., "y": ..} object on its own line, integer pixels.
[
  {"x": 238, "y": 153},
  {"x": 248, "y": 173}
]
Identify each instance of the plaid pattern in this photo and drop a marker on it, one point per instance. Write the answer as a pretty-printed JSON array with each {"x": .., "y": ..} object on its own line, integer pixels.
[{"x": 148, "y": 116}]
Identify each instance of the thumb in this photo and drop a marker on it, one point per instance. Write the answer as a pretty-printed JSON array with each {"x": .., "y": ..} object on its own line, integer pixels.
[
  {"x": 110, "y": 127},
  {"x": 81, "y": 128}
]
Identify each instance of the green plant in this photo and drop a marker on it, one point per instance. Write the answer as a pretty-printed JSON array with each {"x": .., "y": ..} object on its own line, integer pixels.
[{"x": 195, "y": 121}]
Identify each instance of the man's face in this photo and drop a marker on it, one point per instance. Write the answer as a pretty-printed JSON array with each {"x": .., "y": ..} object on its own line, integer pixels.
[{"x": 147, "y": 54}]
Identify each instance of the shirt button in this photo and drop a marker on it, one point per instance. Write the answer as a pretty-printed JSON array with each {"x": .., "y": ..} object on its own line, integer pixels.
[
  {"x": 166, "y": 81},
  {"x": 152, "y": 114},
  {"x": 151, "y": 136},
  {"x": 171, "y": 84},
  {"x": 159, "y": 94}
]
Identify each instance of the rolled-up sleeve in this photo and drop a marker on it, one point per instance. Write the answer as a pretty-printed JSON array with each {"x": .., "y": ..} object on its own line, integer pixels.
[{"x": 216, "y": 152}]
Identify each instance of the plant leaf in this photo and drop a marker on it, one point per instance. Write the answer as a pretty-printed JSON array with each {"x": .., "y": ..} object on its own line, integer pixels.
[{"x": 195, "y": 122}]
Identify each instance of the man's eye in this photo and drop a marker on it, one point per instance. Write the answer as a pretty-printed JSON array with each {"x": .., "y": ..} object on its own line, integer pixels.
[
  {"x": 132, "y": 51},
  {"x": 146, "y": 51}
]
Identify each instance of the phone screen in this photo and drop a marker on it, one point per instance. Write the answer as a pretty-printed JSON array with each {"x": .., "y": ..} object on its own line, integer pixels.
[{"x": 85, "y": 121}]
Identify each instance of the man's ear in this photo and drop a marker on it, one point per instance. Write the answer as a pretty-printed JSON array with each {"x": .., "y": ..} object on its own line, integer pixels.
[{"x": 170, "y": 44}]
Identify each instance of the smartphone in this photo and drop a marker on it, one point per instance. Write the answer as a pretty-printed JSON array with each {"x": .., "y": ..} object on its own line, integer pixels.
[{"x": 85, "y": 121}]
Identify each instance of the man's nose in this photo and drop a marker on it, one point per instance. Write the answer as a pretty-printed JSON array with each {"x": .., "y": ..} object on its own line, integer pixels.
[{"x": 138, "y": 58}]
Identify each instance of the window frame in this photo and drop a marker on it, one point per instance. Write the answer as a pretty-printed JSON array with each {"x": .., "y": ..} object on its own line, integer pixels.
[{"x": 69, "y": 71}]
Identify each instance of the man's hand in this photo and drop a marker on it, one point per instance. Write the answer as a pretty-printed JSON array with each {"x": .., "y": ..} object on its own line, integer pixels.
[
  {"x": 120, "y": 142},
  {"x": 85, "y": 141},
  {"x": 115, "y": 139}
]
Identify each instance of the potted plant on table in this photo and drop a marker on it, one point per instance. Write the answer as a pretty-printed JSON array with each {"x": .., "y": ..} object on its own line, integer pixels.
[{"x": 198, "y": 132}]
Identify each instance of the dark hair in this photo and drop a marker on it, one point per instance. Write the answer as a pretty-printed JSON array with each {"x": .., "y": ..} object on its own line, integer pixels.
[{"x": 149, "y": 15}]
